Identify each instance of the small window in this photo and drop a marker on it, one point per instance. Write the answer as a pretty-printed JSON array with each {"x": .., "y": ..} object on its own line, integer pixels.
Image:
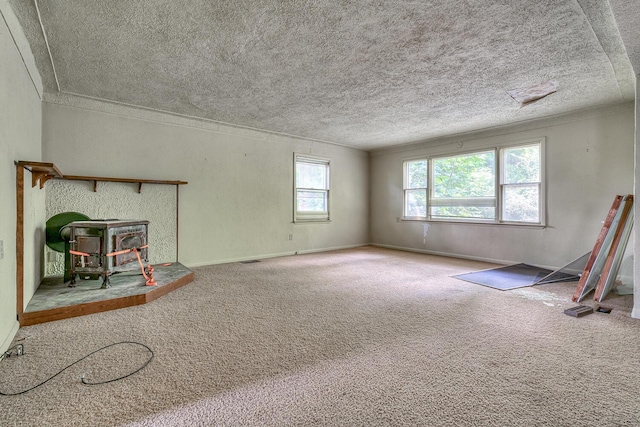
[
  {"x": 311, "y": 189},
  {"x": 521, "y": 183},
  {"x": 415, "y": 188}
]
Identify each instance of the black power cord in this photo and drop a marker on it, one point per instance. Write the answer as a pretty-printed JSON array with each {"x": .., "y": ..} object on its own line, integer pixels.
[{"x": 83, "y": 379}]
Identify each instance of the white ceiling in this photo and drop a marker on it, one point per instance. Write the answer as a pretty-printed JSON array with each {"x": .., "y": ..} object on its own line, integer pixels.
[{"x": 362, "y": 73}]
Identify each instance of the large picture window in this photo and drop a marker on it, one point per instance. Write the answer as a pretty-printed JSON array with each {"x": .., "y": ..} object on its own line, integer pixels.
[
  {"x": 495, "y": 185},
  {"x": 311, "y": 189},
  {"x": 464, "y": 186}
]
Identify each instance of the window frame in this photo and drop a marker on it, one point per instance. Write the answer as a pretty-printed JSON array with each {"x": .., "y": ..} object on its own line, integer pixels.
[
  {"x": 499, "y": 184},
  {"x": 491, "y": 201},
  {"x": 311, "y": 216},
  {"x": 541, "y": 183},
  {"x": 405, "y": 188}
]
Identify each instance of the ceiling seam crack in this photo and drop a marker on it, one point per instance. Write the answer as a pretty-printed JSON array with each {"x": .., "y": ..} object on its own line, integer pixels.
[
  {"x": 613, "y": 68},
  {"x": 46, "y": 42},
  {"x": 40, "y": 95}
]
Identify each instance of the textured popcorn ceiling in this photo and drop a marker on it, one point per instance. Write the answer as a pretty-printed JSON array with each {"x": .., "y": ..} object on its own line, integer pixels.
[
  {"x": 362, "y": 73},
  {"x": 627, "y": 17}
]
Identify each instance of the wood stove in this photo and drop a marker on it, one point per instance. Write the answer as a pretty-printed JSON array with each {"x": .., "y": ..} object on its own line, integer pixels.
[{"x": 104, "y": 247}]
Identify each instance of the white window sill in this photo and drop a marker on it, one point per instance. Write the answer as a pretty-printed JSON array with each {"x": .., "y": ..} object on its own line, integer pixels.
[{"x": 479, "y": 222}]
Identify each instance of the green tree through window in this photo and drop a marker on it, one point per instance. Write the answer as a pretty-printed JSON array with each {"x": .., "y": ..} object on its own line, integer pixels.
[
  {"x": 521, "y": 184},
  {"x": 415, "y": 189},
  {"x": 464, "y": 186},
  {"x": 311, "y": 189}
]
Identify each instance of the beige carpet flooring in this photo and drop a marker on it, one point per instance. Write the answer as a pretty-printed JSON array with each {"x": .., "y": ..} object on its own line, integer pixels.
[{"x": 360, "y": 337}]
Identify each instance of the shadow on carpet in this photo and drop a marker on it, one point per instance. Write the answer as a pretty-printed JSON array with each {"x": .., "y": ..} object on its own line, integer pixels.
[{"x": 509, "y": 277}]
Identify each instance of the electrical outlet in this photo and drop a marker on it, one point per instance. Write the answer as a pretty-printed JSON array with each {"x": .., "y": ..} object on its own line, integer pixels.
[
  {"x": 1, "y": 249},
  {"x": 290, "y": 236}
]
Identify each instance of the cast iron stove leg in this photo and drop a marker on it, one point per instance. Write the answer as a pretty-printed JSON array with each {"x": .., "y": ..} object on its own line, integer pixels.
[
  {"x": 72, "y": 283},
  {"x": 106, "y": 283}
]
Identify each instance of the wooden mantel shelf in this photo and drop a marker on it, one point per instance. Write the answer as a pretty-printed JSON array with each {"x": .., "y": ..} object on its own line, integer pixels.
[
  {"x": 45, "y": 171},
  {"x": 97, "y": 179},
  {"x": 40, "y": 171}
]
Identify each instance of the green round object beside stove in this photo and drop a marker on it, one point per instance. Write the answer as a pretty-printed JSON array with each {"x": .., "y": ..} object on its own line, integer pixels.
[{"x": 54, "y": 239}]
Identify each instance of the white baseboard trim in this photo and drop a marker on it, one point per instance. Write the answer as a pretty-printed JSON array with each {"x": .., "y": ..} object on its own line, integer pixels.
[
  {"x": 635, "y": 313},
  {"x": 380, "y": 245},
  {"x": 446, "y": 254},
  {"x": 240, "y": 259},
  {"x": 9, "y": 338},
  {"x": 334, "y": 248},
  {"x": 452, "y": 255},
  {"x": 274, "y": 255}
]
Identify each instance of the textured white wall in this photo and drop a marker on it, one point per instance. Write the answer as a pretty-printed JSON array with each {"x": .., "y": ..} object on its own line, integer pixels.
[
  {"x": 20, "y": 139},
  {"x": 589, "y": 159},
  {"x": 239, "y": 200},
  {"x": 155, "y": 203}
]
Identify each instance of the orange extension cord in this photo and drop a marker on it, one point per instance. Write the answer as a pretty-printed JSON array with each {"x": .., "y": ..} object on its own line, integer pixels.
[{"x": 150, "y": 281}]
